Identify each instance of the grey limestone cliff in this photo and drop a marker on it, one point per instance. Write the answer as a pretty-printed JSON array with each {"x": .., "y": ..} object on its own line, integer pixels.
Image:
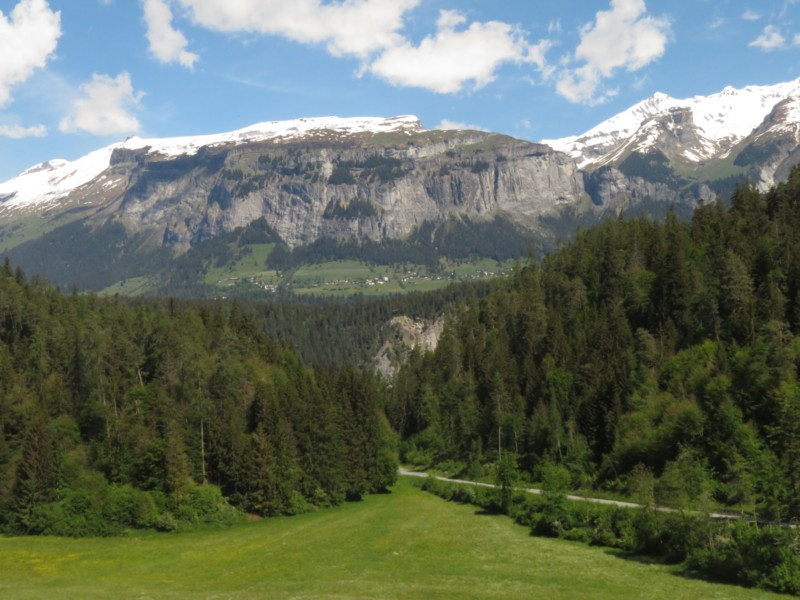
[
  {"x": 361, "y": 187},
  {"x": 613, "y": 191}
]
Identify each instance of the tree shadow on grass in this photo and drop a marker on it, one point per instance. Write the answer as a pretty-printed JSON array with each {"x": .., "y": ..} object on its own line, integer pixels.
[
  {"x": 488, "y": 512},
  {"x": 676, "y": 569}
]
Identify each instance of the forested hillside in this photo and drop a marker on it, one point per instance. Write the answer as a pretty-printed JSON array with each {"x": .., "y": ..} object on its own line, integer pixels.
[
  {"x": 336, "y": 333},
  {"x": 655, "y": 359},
  {"x": 115, "y": 415}
]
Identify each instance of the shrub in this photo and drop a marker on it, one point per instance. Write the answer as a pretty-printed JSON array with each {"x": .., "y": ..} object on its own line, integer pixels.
[
  {"x": 767, "y": 557},
  {"x": 737, "y": 552},
  {"x": 130, "y": 507}
]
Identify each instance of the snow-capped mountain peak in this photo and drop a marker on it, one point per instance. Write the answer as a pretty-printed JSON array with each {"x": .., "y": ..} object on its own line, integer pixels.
[
  {"x": 48, "y": 182},
  {"x": 706, "y": 126}
]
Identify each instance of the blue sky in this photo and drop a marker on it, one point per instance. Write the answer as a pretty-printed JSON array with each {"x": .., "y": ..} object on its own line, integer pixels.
[{"x": 76, "y": 75}]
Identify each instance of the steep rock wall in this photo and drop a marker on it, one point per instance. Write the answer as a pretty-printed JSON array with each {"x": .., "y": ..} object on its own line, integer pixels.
[{"x": 360, "y": 191}]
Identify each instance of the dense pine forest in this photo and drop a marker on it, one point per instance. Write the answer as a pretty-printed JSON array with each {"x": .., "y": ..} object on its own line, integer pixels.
[
  {"x": 334, "y": 333},
  {"x": 117, "y": 415},
  {"x": 655, "y": 359}
]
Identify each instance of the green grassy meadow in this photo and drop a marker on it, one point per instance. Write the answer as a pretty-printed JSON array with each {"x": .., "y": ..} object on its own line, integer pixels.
[
  {"x": 407, "y": 544},
  {"x": 249, "y": 265}
]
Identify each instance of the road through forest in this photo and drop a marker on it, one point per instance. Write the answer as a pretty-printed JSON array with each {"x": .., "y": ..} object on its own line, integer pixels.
[{"x": 537, "y": 491}]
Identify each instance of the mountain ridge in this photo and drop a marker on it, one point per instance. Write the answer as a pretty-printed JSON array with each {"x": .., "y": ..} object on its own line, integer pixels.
[
  {"x": 373, "y": 184},
  {"x": 708, "y": 127},
  {"x": 387, "y": 181},
  {"x": 51, "y": 180}
]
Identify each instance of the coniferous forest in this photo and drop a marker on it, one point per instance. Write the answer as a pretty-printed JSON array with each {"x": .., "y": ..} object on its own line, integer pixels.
[
  {"x": 115, "y": 416},
  {"x": 656, "y": 361},
  {"x": 661, "y": 352}
]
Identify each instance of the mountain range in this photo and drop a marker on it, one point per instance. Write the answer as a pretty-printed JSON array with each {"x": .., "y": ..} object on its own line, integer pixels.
[
  {"x": 750, "y": 133},
  {"x": 144, "y": 207}
]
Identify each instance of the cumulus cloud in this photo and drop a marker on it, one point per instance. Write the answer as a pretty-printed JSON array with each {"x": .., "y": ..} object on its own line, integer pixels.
[
  {"x": 105, "y": 108},
  {"x": 353, "y": 27},
  {"x": 750, "y": 15},
  {"x": 166, "y": 43},
  {"x": 447, "y": 124},
  {"x": 18, "y": 132},
  {"x": 624, "y": 37},
  {"x": 27, "y": 40},
  {"x": 455, "y": 56},
  {"x": 770, "y": 39}
]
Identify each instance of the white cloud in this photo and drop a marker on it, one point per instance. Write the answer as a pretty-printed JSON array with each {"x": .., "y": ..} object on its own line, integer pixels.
[
  {"x": 458, "y": 54},
  {"x": 447, "y": 124},
  {"x": 770, "y": 39},
  {"x": 796, "y": 39},
  {"x": 18, "y": 132},
  {"x": 450, "y": 19},
  {"x": 751, "y": 15},
  {"x": 579, "y": 85},
  {"x": 105, "y": 107},
  {"x": 352, "y": 27},
  {"x": 624, "y": 37},
  {"x": 717, "y": 22},
  {"x": 452, "y": 58},
  {"x": 166, "y": 43},
  {"x": 27, "y": 40}
]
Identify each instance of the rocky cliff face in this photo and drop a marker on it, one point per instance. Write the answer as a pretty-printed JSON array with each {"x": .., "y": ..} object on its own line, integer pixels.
[
  {"x": 613, "y": 191},
  {"x": 770, "y": 152},
  {"x": 358, "y": 189},
  {"x": 403, "y": 334},
  {"x": 111, "y": 215},
  {"x": 751, "y": 134}
]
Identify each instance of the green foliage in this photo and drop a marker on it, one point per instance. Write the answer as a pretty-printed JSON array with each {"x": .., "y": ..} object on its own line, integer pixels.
[
  {"x": 507, "y": 477},
  {"x": 655, "y": 358},
  {"x": 766, "y": 557},
  {"x": 735, "y": 552},
  {"x": 166, "y": 414},
  {"x": 341, "y": 175},
  {"x": 757, "y": 153},
  {"x": 480, "y": 166},
  {"x": 355, "y": 209},
  {"x": 456, "y": 239},
  {"x": 554, "y": 518},
  {"x": 653, "y": 167},
  {"x": 383, "y": 169},
  {"x": 88, "y": 264}
]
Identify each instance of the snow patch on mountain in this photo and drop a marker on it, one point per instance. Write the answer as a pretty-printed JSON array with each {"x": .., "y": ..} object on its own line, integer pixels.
[
  {"x": 720, "y": 121},
  {"x": 48, "y": 182}
]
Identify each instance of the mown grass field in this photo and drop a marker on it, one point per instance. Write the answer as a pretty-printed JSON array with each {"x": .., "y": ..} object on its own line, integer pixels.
[
  {"x": 407, "y": 544},
  {"x": 248, "y": 265}
]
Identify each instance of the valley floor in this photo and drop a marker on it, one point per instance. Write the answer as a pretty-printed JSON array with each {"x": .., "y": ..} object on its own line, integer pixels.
[{"x": 407, "y": 544}]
